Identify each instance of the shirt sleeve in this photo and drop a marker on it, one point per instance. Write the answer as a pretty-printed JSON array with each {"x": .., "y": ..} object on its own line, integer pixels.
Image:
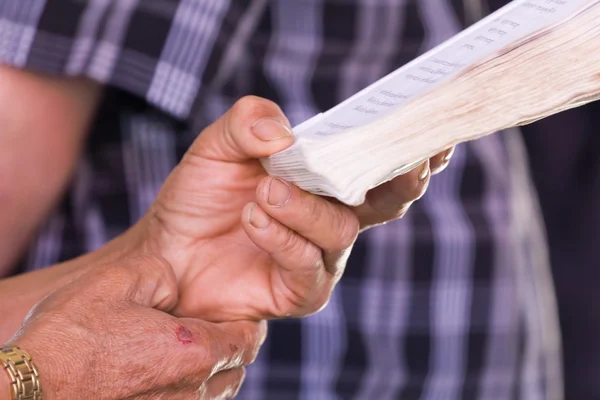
[{"x": 155, "y": 49}]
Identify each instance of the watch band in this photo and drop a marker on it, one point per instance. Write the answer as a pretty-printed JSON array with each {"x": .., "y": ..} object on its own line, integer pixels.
[{"x": 25, "y": 381}]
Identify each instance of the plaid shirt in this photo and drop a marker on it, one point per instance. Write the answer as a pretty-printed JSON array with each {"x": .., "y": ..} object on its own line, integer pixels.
[{"x": 455, "y": 301}]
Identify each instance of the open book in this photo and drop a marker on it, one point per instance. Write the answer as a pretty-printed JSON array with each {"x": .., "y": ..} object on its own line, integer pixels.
[{"x": 526, "y": 61}]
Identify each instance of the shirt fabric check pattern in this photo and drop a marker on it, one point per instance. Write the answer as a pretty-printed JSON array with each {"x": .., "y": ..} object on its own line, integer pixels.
[{"x": 454, "y": 301}]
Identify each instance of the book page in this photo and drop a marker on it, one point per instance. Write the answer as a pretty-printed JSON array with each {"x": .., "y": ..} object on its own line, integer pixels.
[{"x": 515, "y": 21}]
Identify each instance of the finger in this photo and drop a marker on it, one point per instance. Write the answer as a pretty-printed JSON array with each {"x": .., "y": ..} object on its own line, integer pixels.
[
  {"x": 223, "y": 385},
  {"x": 301, "y": 278},
  {"x": 184, "y": 352},
  {"x": 252, "y": 128},
  {"x": 440, "y": 161},
  {"x": 222, "y": 345},
  {"x": 331, "y": 227},
  {"x": 392, "y": 199}
]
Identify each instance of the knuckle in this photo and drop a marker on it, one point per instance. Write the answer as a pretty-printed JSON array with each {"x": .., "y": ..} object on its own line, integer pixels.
[
  {"x": 289, "y": 241},
  {"x": 110, "y": 278},
  {"x": 311, "y": 257},
  {"x": 252, "y": 107},
  {"x": 321, "y": 302},
  {"x": 243, "y": 104},
  {"x": 255, "y": 338},
  {"x": 150, "y": 266},
  {"x": 420, "y": 191},
  {"x": 317, "y": 302},
  {"x": 243, "y": 345},
  {"x": 140, "y": 277},
  {"x": 312, "y": 210},
  {"x": 348, "y": 230},
  {"x": 251, "y": 351},
  {"x": 385, "y": 207},
  {"x": 415, "y": 192},
  {"x": 309, "y": 280},
  {"x": 393, "y": 213},
  {"x": 250, "y": 339},
  {"x": 316, "y": 307},
  {"x": 205, "y": 354},
  {"x": 382, "y": 216},
  {"x": 392, "y": 206}
]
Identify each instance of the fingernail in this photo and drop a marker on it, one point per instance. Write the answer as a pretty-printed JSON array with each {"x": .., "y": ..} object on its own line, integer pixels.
[
  {"x": 424, "y": 172},
  {"x": 258, "y": 219},
  {"x": 263, "y": 329},
  {"x": 269, "y": 129},
  {"x": 448, "y": 155},
  {"x": 278, "y": 193}
]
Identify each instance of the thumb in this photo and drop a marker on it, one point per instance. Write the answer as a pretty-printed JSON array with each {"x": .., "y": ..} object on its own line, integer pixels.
[{"x": 253, "y": 128}]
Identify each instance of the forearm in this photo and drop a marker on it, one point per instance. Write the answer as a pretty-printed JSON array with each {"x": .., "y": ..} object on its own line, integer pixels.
[{"x": 43, "y": 123}]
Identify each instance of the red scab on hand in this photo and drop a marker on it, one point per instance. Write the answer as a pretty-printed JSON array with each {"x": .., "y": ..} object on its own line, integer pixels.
[{"x": 184, "y": 335}]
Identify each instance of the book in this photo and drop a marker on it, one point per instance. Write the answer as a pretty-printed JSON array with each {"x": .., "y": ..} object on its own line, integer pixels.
[{"x": 524, "y": 62}]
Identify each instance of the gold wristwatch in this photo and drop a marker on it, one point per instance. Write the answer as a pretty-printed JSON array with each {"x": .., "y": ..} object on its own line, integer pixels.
[{"x": 25, "y": 381}]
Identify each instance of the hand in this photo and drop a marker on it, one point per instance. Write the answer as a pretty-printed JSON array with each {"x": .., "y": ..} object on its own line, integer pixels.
[
  {"x": 392, "y": 200},
  {"x": 244, "y": 245},
  {"x": 107, "y": 334}
]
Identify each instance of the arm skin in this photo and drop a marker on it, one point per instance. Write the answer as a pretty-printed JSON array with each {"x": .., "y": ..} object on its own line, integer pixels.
[
  {"x": 4, "y": 386},
  {"x": 26, "y": 290},
  {"x": 43, "y": 124}
]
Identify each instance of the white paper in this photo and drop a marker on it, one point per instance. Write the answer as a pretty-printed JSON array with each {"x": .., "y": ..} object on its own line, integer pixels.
[{"x": 513, "y": 22}]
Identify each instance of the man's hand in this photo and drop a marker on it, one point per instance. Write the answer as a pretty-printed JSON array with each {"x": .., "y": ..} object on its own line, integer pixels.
[
  {"x": 392, "y": 200},
  {"x": 244, "y": 245},
  {"x": 238, "y": 244},
  {"x": 107, "y": 334}
]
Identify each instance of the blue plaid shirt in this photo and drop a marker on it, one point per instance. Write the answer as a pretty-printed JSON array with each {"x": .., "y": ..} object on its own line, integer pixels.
[{"x": 454, "y": 301}]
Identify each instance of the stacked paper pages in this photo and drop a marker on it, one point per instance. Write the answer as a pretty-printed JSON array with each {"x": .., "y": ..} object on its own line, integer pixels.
[{"x": 528, "y": 60}]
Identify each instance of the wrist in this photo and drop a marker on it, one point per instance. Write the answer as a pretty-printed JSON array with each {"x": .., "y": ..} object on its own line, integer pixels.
[{"x": 21, "y": 379}]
